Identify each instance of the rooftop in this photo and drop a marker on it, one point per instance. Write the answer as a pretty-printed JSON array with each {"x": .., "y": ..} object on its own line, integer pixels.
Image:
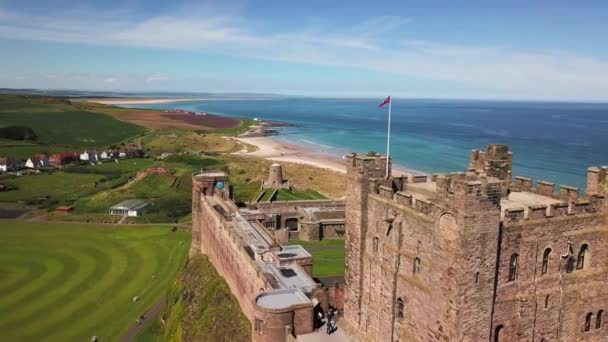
[
  {"x": 293, "y": 251},
  {"x": 287, "y": 277},
  {"x": 523, "y": 200},
  {"x": 132, "y": 204},
  {"x": 281, "y": 299}
]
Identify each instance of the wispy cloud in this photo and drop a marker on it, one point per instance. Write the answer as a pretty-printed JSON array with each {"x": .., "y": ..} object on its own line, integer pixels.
[{"x": 378, "y": 44}]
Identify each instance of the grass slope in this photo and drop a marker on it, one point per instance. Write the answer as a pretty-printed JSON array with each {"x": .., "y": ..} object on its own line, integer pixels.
[
  {"x": 60, "y": 125},
  {"x": 328, "y": 256},
  {"x": 202, "y": 308},
  {"x": 68, "y": 282}
]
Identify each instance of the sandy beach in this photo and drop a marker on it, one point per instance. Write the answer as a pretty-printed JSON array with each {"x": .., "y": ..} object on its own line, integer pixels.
[
  {"x": 130, "y": 101},
  {"x": 276, "y": 150}
]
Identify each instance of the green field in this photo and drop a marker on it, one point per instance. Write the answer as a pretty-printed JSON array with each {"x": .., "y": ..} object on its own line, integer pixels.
[
  {"x": 60, "y": 125},
  {"x": 328, "y": 256},
  {"x": 68, "y": 282}
]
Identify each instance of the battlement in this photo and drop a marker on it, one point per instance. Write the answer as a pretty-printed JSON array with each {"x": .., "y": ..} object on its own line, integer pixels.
[
  {"x": 372, "y": 165},
  {"x": 597, "y": 180},
  {"x": 496, "y": 161},
  {"x": 469, "y": 187},
  {"x": 579, "y": 206},
  {"x": 564, "y": 192}
]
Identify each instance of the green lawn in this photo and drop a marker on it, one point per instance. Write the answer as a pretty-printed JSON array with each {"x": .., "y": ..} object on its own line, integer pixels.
[
  {"x": 68, "y": 282},
  {"x": 328, "y": 256},
  {"x": 58, "y": 124},
  {"x": 60, "y": 186}
]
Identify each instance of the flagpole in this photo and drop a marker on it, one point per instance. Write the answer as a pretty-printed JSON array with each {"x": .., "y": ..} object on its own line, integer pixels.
[{"x": 388, "y": 138}]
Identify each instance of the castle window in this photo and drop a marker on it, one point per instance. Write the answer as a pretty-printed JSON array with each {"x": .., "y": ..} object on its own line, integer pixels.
[
  {"x": 588, "y": 319},
  {"x": 547, "y": 302},
  {"x": 375, "y": 243},
  {"x": 513, "y": 267},
  {"x": 546, "y": 255},
  {"x": 259, "y": 325},
  {"x": 416, "y": 265},
  {"x": 400, "y": 308},
  {"x": 476, "y": 278},
  {"x": 599, "y": 319},
  {"x": 580, "y": 260},
  {"x": 498, "y": 333}
]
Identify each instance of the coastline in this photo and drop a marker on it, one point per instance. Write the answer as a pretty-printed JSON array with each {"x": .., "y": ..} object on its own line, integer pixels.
[
  {"x": 269, "y": 148},
  {"x": 135, "y": 101}
]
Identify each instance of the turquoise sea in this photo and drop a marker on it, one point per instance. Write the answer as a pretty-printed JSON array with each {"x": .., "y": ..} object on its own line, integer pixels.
[{"x": 550, "y": 141}]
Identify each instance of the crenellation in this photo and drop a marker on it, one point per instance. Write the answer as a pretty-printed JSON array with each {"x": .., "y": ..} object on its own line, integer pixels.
[
  {"x": 580, "y": 206},
  {"x": 420, "y": 179},
  {"x": 558, "y": 209},
  {"x": 424, "y": 206},
  {"x": 514, "y": 214},
  {"x": 568, "y": 193},
  {"x": 385, "y": 191},
  {"x": 545, "y": 188},
  {"x": 537, "y": 212},
  {"x": 522, "y": 184},
  {"x": 404, "y": 199}
]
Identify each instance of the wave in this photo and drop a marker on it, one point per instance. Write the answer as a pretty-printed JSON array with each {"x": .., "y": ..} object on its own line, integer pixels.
[{"x": 315, "y": 143}]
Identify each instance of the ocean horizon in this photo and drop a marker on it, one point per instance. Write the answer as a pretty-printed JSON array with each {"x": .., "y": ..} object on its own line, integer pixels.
[{"x": 552, "y": 141}]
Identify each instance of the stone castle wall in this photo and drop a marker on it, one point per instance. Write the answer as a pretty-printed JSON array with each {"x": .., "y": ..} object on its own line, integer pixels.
[
  {"x": 436, "y": 267},
  {"x": 211, "y": 230}
]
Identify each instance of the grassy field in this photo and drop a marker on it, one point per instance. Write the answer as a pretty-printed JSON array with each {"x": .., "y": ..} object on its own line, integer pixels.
[
  {"x": 68, "y": 282},
  {"x": 60, "y": 125},
  {"x": 328, "y": 256}
]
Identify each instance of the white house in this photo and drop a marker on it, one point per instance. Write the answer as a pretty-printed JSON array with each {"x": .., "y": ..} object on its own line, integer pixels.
[
  {"x": 122, "y": 154},
  {"x": 84, "y": 156},
  {"x": 104, "y": 155},
  {"x": 30, "y": 163}
]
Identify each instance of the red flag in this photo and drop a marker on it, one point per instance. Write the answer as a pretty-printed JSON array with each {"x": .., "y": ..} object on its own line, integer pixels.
[{"x": 386, "y": 100}]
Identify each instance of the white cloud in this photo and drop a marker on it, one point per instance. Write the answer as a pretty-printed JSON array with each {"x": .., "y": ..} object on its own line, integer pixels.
[{"x": 376, "y": 44}]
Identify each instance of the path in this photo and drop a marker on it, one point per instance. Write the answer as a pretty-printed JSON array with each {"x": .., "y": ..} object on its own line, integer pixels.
[
  {"x": 150, "y": 314},
  {"x": 321, "y": 336}
]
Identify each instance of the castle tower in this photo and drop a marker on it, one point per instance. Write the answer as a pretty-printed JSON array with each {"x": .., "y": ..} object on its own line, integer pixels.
[
  {"x": 468, "y": 229},
  {"x": 360, "y": 171},
  {"x": 496, "y": 161},
  {"x": 275, "y": 177}
]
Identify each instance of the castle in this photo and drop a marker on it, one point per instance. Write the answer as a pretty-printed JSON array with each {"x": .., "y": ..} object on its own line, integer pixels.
[
  {"x": 474, "y": 256},
  {"x": 272, "y": 282}
]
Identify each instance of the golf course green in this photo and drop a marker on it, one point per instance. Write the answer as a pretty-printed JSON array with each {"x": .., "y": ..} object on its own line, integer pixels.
[{"x": 72, "y": 281}]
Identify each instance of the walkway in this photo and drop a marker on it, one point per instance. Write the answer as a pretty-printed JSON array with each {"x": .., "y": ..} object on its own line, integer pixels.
[
  {"x": 321, "y": 336},
  {"x": 150, "y": 314}
]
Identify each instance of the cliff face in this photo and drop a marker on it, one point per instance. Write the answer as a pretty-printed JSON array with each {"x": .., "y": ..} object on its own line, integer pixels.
[{"x": 201, "y": 307}]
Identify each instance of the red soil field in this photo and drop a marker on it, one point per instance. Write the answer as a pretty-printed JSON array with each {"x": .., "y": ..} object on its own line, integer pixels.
[{"x": 208, "y": 120}]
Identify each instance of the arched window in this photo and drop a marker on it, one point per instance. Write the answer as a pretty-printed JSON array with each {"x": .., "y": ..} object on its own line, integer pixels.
[
  {"x": 580, "y": 260},
  {"x": 375, "y": 244},
  {"x": 598, "y": 319},
  {"x": 547, "y": 302},
  {"x": 416, "y": 265},
  {"x": 546, "y": 255},
  {"x": 498, "y": 333},
  {"x": 513, "y": 267},
  {"x": 400, "y": 308},
  {"x": 588, "y": 319}
]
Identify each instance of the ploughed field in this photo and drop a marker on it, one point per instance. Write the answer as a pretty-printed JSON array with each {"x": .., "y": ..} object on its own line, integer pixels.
[{"x": 69, "y": 282}]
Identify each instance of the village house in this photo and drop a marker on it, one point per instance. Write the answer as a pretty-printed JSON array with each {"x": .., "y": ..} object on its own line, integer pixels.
[
  {"x": 41, "y": 160},
  {"x": 84, "y": 156},
  {"x": 30, "y": 163},
  {"x": 63, "y": 158},
  {"x": 9, "y": 164}
]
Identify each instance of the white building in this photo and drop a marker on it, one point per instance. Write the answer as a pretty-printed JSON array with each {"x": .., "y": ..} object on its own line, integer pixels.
[
  {"x": 130, "y": 208},
  {"x": 104, "y": 155},
  {"x": 30, "y": 163},
  {"x": 84, "y": 156}
]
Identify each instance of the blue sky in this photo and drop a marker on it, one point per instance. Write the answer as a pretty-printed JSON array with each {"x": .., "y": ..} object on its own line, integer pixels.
[{"x": 542, "y": 50}]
